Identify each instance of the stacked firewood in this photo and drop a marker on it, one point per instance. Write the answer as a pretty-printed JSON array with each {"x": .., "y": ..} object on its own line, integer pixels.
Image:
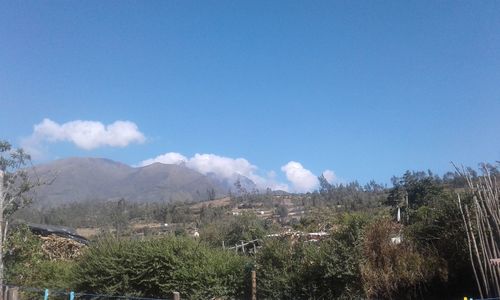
[{"x": 60, "y": 248}]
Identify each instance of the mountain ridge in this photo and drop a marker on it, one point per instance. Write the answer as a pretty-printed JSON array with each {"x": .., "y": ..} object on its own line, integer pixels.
[{"x": 80, "y": 179}]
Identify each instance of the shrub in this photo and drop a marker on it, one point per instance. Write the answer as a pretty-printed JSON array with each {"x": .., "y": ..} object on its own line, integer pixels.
[
  {"x": 233, "y": 229},
  {"x": 391, "y": 270},
  {"x": 327, "y": 269},
  {"x": 26, "y": 264},
  {"x": 157, "y": 267}
]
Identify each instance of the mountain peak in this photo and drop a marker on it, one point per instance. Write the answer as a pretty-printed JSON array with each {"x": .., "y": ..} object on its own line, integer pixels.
[{"x": 87, "y": 178}]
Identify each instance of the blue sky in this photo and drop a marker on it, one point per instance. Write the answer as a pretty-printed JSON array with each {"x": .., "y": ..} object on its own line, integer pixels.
[{"x": 365, "y": 89}]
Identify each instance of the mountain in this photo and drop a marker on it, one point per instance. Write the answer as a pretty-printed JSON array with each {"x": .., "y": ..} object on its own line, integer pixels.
[
  {"x": 83, "y": 179},
  {"x": 245, "y": 183}
]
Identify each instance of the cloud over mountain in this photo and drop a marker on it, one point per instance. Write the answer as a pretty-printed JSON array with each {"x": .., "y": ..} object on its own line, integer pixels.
[
  {"x": 227, "y": 168},
  {"x": 170, "y": 158}
]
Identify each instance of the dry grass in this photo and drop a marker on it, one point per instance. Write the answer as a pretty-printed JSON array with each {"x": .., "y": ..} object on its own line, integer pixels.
[{"x": 213, "y": 203}]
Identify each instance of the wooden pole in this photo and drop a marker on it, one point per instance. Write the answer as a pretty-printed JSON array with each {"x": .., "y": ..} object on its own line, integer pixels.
[
  {"x": 13, "y": 293},
  {"x": 176, "y": 296},
  {"x": 254, "y": 285}
]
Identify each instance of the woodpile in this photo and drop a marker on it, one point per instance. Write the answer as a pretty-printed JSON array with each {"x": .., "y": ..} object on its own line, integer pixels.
[{"x": 60, "y": 248}]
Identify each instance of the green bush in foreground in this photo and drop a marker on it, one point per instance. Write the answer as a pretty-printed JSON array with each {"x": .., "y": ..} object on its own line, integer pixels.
[
  {"x": 26, "y": 264},
  {"x": 324, "y": 270},
  {"x": 157, "y": 267}
]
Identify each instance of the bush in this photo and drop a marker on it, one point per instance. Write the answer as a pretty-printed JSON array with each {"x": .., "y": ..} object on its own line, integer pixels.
[
  {"x": 26, "y": 264},
  {"x": 157, "y": 267},
  {"x": 327, "y": 269},
  {"x": 398, "y": 271},
  {"x": 234, "y": 229}
]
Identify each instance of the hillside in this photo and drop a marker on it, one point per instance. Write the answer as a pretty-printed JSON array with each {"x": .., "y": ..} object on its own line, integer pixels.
[{"x": 84, "y": 179}]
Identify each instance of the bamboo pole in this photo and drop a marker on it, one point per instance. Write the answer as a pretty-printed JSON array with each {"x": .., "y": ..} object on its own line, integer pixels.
[
  {"x": 482, "y": 226},
  {"x": 470, "y": 246}
]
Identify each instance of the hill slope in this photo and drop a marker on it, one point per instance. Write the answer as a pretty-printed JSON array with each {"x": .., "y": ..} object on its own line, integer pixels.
[{"x": 83, "y": 179}]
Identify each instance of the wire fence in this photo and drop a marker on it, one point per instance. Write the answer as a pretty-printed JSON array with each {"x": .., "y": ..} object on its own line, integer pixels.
[{"x": 50, "y": 294}]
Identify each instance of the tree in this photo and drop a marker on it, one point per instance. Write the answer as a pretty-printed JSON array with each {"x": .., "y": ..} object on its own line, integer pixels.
[
  {"x": 119, "y": 217},
  {"x": 412, "y": 191},
  {"x": 325, "y": 187},
  {"x": 282, "y": 211},
  {"x": 211, "y": 194},
  {"x": 15, "y": 183}
]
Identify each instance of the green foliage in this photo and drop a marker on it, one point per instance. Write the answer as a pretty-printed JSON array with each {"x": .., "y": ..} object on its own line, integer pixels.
[
  {"x": 108, "y": 214},
  {"x": 439, "y": 228},
  {"x": 434, "y": 225},
  {"x": 357, "y": 260},
  {"x": 210, "y": 214},
  {"x": 15, "y": 182},
  {"x": 234, "y": 229},
  {"x": 26, "y": 265},
  {"x": 323, "y": 270},
  {"x": 347, "y": 197},
  {"x": 157, "y": 267},
  {"x": 245, "y": 227},
  {"x": 282, "y": 211},
  {"x": 416, "y": 188},
  {"x": 276, "y": 270}
]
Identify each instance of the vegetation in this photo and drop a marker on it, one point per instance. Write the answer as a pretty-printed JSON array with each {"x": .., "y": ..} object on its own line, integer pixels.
[
  {"x": 396, "y": 270},
  {"x": 481, "y": 217},
  {"x": 363, "y": 252},
  {"x": 15, "y": 183},
  {"x": 27, "y": 265},
  {"x": 295, "y": 270},
  {"x": 157, "y": 267}
]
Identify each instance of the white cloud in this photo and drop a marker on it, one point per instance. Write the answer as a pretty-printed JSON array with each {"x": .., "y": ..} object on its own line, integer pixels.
[
  {"x": 301, "y": 178},
  {"x": 222, "y": 166},
  {"x": 86, "y": 135},
  {"x": 225, "y": 168},
  {"x": 170, "y": 158},
  {"x": 330, "y": 176}
]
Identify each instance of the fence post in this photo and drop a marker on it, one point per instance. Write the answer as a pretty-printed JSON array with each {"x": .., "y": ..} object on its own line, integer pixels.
[
  {"x": 254, "y": 285},
  {"x": 176, "y": 296},
  {"x": 13, "y": 293}
]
